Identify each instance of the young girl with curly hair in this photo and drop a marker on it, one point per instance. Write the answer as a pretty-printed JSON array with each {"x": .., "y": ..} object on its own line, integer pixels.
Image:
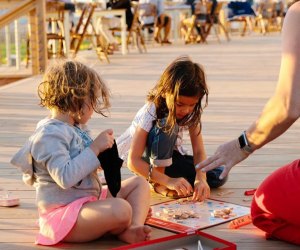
[{"x": 61, "y": 160}]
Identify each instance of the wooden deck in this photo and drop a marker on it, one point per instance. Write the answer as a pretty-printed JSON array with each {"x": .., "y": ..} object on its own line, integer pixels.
[{"x": 242, "y": 74}]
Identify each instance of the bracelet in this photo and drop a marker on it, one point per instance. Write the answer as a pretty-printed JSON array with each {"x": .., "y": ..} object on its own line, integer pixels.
[
  {"x": 150, "y": 172},
  {"x": 197, "y": 166}
]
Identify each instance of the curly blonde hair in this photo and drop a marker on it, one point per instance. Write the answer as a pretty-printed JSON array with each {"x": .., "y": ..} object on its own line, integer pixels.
[
  {"x": 66, "y": 85},
  {"x": 182, "y": 77}
]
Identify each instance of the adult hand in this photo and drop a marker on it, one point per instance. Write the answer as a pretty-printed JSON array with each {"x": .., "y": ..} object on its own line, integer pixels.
[
  {"x": 180, "y": 185},
  {"x": 226, "y": 155},
  {"x": 103, "y": 141},
  {"x": 201, "y": 190}
]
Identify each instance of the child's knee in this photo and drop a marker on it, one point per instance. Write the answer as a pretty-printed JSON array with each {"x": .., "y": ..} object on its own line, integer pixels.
[
  {"x": 121, "y": 212},
  {"x": 142, "y": 183},
  {"x": 213, "y": 178}
]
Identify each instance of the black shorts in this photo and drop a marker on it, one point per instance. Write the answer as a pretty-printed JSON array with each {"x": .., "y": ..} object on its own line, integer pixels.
[{"x": 163, "y": 22}]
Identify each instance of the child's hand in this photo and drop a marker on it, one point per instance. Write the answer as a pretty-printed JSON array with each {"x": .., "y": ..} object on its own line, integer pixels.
[
  {"x": 180, "y": 185},
  {"x": 103, "y": 141},
  {"x": 201, "y": 190}
]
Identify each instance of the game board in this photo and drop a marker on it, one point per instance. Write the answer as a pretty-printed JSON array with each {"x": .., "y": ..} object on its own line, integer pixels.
[{"x": 164, "y": 214}]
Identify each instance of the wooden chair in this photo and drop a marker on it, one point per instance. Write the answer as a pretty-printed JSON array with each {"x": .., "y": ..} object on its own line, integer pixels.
[
  {"x": 270, "y": 18},
  {"x": 148, "y": 10},
  {"x": 55, "y": 25},
  {"x": 203, "y": 8},
  {"x": 187, "y": 28},
  {"x": 215, "y": 23},
  {"x": 211, "y": 20},
  {"x": 189, "y": 24},
  {"x": 135, "y": 34},
  {"x": 86, "y": 30},
  {"x": 56, "y": 33}
]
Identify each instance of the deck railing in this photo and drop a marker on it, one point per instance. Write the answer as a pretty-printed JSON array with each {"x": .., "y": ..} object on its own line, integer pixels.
[{"x": 35, "y": 9}]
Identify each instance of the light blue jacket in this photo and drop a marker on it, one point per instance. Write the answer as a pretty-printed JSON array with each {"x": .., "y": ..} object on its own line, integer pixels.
[{"x": 55, "y": 161}]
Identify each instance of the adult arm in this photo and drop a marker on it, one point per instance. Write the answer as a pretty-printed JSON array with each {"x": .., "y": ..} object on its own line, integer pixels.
[{"x": 282, "y": 109}]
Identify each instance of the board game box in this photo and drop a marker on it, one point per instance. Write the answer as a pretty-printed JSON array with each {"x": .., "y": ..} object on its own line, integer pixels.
[
  {"x": 185, "y": 241},
  {"x": 183, "y": 216}
]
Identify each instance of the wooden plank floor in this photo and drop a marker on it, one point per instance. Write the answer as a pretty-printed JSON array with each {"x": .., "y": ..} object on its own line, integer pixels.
[{"x": 241, "y": 74}]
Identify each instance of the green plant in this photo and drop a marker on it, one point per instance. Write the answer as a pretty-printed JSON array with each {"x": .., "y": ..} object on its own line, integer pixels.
[{"x": 3, "y": 55}]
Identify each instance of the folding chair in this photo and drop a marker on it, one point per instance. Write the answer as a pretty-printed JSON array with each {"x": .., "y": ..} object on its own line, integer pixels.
[
  {"x": 135, "y": 33},
  {"x": 187, "y": 29},
  {"x": 271, "y": 18},
  {"x": 147, "y": 10},
  {"x": 215, "y": 23},
  {"x": 56, "y": 33},
  {"x": 205, "y": 9},
  {"x": 188, "y": 26},
  {"x": 210, "y": 19},
  {"x": 81, "y": 32}
]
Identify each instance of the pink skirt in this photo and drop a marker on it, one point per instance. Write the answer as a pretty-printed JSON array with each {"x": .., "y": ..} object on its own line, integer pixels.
[{"x": 56, "y": 224}]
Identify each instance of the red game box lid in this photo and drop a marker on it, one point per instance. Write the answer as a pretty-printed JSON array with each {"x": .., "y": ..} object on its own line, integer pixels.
[{"x": 183, "y": 241}]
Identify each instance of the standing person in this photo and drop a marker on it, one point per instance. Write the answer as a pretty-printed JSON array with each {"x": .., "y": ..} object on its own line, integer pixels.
[
  {"x": 281, "y": 111},
  {"x": 152, "y": 145},
  {"x": 159, "y": 20},
  {"x": 60, "y": 160}
]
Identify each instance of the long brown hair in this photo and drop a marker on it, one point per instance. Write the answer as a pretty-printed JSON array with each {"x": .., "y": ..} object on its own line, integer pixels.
[{"x": 182, "y": 77}]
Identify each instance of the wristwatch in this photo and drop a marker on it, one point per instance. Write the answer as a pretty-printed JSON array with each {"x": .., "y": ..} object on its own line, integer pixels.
[{"x": 244, "y": 144}]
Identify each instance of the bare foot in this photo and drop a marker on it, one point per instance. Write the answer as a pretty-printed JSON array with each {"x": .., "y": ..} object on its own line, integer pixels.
[{"x": 135, "y": 234}]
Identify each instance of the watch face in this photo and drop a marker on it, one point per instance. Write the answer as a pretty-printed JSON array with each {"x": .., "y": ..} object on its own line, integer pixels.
[
  {"x": 244, "y": 145},
  {"x": 242, "y": 141}
]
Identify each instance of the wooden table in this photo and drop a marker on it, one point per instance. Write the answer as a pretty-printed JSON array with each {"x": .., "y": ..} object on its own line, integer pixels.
[
  {"x": 98, "y": 13},
  {"x": 176, "y": 12}
]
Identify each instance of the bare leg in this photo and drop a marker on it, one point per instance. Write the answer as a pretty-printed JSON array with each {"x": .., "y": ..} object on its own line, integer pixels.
[
  {"x": 167, "y": 29},
  {"x": 123, "y": 216},
  {"x": 95, "y": 219},
  {"x": 136, "y": 191},
  {"x": 157, "y": 36}
]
